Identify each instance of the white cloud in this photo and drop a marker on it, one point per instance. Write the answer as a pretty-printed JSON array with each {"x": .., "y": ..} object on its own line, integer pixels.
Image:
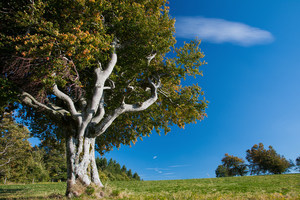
[
  {"x": 168, "y": 173},
  {"x": 154, "y": 157},
  {"x": 158, "y": 170},
  {"x": 175, "y": 166},
  {"x": 220, "y": 31}
]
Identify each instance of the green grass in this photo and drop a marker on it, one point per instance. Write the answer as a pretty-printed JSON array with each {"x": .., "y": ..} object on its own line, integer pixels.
[
  {"x": 252, "y": 187},
  {"x": 31, "y": 191}
]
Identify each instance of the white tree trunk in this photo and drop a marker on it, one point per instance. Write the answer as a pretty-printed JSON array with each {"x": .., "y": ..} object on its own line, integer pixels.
[{"x": 82, "y": 169}]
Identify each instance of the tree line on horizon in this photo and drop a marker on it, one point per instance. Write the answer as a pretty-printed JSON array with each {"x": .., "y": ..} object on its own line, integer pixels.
[
  {"x": 260, "y": 161},
  {"x": 22, "y": 163}
]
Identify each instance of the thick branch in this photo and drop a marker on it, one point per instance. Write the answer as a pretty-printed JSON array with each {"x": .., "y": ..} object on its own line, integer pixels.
[
  {"x": 101, "y": 112},
  {"x": 101, "y": 128},
  {"x": 59, "y": 94},
  {"x": 32, "y": 102},
  {"x": 98, "y": 91},
  {"x": 111, "y": 63},
  {"x": 101, "y": 77}
]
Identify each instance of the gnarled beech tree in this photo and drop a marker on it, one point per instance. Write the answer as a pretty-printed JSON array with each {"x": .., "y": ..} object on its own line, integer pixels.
[{"x": 97, "y": 72}]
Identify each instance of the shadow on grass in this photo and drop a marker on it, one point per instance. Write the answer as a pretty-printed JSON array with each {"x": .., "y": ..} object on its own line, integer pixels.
[
  {"x": 50, "y": 197},
  {"x": 3, "y": 191},
  {"x": 8, "y": 192}
]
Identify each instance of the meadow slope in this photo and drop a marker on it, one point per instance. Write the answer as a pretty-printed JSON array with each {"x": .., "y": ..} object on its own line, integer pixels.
[{"x": 285, "y": 186}]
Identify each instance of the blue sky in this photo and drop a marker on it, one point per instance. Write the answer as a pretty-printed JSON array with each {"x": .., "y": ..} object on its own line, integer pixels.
[{"x": 252, "y": 81}]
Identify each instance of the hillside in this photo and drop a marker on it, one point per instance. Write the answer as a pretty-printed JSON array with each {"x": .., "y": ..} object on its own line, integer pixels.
[{"x": 251, "y": 187}]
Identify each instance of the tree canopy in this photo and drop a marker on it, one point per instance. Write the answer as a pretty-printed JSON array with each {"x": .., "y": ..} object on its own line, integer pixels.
[
  {"x": 231, "y": 166},
  {"x": 263, "y": 160},
  {"x": 63, "y": 42},
  {"x": 99, "y": 72}
]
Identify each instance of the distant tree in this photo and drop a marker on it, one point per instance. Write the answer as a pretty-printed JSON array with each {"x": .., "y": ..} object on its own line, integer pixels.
[
  {"x": 129, "y": 173},
  {"x": 14, "y": 149},
  {"x": 55, "y": 158},
  {"x": 36, "y": 169},
  {"x": 112, "y": 170},
  {"x": 101, "y": 163},
  {"x": 298, "y": 163},
  {"x": 231, "y": 166},
  {"x": 124, "y": 169},
  {"x": 136, "y": 177},
  {"x": 117, "y": 168},
  {"x": 262, "y": 160},
  {"x": 111, "y": 164},
  {"x": 221, "y": 171}
]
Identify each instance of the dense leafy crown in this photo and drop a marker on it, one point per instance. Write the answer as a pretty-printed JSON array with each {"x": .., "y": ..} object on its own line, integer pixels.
[
  {"x": 62, "y": 42},
  {"x": 266, "y": 160}
]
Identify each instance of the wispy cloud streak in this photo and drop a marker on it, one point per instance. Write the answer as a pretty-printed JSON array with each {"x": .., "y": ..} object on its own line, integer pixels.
[
  {"x": 176, "y": 166},
  {"x": 220, "y": 31},
  {"x": 158, "y": 170}
]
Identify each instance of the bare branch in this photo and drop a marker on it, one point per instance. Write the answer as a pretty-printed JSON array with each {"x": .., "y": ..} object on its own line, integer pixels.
[
  {"x": 150, "y": 57},
  {"x": 111, "y": 85},
  {"x": 112, "y": 62},
  {"x": 100, "y": 66},
  {"x": 58, "y": 109},
  {"x": 98, "y": 92},
  {"x": 101, "y": 112},
  {"x": 32, "y": 102},
  {"x": 101, "y": 77},
  {"x": 6, "y": 147},
  {"x": 167, "y": 96},
  {"x": 6, "y": 162},
  {"x": 59, "y": 94},
  {"x": 101, "y": 128},
  {"x": 147, "y": 103}
]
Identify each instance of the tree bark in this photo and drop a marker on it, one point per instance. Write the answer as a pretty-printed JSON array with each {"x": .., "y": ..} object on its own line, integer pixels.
[{"x": 82, "y": 169}]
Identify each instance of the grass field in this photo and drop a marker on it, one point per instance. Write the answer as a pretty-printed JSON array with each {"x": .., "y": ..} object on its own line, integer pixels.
[{"x": 252, "y": 187}]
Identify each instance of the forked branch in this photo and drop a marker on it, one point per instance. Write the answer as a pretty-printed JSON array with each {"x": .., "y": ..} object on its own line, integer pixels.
[{"x": 106, "y": 122}]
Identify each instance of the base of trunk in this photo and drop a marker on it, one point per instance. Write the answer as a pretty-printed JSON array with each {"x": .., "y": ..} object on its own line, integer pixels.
[{"x": 79, "y": 188}]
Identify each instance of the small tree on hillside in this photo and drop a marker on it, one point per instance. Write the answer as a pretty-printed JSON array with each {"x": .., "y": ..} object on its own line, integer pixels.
[
  {"x": 231, "y": 166},
  {"x": 262, "y": 160},
  {"x": 221, "y": 171}
]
